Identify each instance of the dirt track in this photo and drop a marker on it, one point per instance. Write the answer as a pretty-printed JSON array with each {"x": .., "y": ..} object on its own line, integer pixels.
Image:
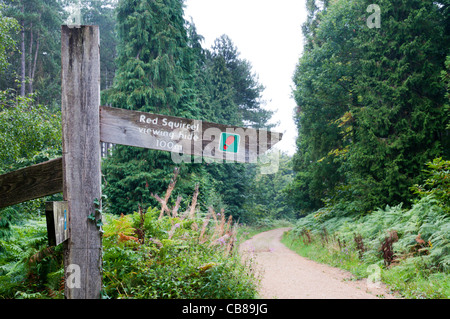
[{"x": 286, "y": 275}]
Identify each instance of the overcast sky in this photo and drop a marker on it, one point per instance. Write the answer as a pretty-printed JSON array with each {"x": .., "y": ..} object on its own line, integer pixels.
[{"x": 267, "y": 33}]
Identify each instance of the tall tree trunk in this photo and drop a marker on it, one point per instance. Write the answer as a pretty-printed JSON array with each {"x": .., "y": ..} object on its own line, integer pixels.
[
  {"x": 30, "y": 78},
  {"x": 33, "y": 71},
  {"x": 34, "y": 63},
  {"x": 22, "y": 64}
]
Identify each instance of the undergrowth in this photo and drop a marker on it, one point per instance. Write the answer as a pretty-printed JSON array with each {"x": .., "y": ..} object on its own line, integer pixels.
[
  {"x": 173, "y": 257},
  {"x": 411, "y": 247},
  {"x": 157, "y": 253},
  {"x": 29, "y": 268}
]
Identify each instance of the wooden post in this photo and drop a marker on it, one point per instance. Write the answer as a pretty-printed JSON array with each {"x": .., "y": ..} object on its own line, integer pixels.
[{"x": 80, "y": 75}]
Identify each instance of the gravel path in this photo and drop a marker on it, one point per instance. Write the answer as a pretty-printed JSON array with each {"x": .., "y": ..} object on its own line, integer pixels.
[{"x": 286, "y": 275}]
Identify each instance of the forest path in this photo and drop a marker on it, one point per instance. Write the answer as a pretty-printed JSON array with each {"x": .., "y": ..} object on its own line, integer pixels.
[{"x": 286, "y": 275}]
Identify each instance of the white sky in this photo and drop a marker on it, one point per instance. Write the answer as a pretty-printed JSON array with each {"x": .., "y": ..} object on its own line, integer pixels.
[{"x": 267, "y": 33}]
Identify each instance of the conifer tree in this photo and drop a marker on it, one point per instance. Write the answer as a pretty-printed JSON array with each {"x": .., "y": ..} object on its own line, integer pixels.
[
  {"x": 400, "y": 96},
  {"x": 162, "y": 68},
  {"x": 153, "y": 67},
  {"x": 233, "y": 96},
  {"x": 370, "y": 101}
]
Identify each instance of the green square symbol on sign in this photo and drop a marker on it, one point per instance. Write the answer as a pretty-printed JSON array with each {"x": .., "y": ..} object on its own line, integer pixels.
[{"x": 229, "y": 142}]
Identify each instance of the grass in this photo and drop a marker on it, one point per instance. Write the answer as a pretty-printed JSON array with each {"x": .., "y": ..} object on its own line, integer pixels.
[
  {"x": 326, "y": 253},
  {"x": 245, "y": 232},
  {"x": 409, "y": 277}
]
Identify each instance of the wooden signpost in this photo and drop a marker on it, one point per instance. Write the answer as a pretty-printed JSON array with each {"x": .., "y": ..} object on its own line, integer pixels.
[
  {"x": 187, "y": 136},
  {"x": 85, "y": 125}
]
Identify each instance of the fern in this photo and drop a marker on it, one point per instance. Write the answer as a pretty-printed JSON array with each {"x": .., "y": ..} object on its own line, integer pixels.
[
  {"x": 168, "y": 259},
  {"x": 426, "y": 217},
  {"x": 26, "y": 261}
]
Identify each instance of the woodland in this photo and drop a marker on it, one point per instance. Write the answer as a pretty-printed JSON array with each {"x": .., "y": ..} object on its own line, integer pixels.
[{"x": 368, "y": 183}]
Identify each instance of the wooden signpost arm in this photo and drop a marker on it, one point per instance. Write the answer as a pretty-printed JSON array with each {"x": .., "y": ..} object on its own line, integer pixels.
[
  {"x": 181, "y": 135},
  {"x": 80, "y": 77},
  {"x": 31, "y": 182}
]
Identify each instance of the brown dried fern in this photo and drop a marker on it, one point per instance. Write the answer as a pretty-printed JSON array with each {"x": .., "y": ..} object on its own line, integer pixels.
[{"x": 169, "y": 190}]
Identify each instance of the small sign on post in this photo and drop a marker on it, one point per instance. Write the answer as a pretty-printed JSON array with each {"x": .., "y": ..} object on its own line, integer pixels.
[
  {"x": 229, "y": 142},
  {"x": 57, "y": 214}
]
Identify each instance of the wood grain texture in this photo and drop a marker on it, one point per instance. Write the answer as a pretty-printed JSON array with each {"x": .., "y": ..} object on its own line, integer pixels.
[
  {"x": 80, "y": 75},
  {"x": 32, "y": 182},
  {"x": 181, "y": 135}
]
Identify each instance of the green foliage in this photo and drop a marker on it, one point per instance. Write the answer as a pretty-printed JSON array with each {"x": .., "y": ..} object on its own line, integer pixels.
[
  {"x": 445, "y": 75},
  {"x": 169, "y": 260},
  {"x": 372, "y": 110},
  {"x": 169, "y": 254},
  {"x": 7, "y": 25},
  {"x": 410, "y": 278},
  {"x": 146, "y": 255},
  {"x": 41, "y": 22},
  {"x": 414, "y": 282},
  {"x": 152, "y": 57},
  {"x": 233, "y": 95},
  {"x": 152, "y": 75},
  {"x": 162, "y": 68},
  {"x": 371, "y": 102},
  {"x": 39, "y": 44},
  {"x": 437, "y": 183},
  {"x": 230, "y": 94},
  {"x": 29, "y": 268},
  {"x": 29, "y": 133},
  {"x": 400, "y": 117},
  {"x": 267, "y": 197},
  {"x": 410, "y": 243},
  {"x": 425, "y": 217},
  {"x": 102, "y": 13}
]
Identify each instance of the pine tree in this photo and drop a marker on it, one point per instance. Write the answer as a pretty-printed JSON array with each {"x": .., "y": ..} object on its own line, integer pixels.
[
  {"x": 400, "y": 115},
  {"x": 233, "y": 97},
  {"x": 152, "y": 75},
  {"x": 150, "y": 56},
  {"x": 162, "y": 68},
  {"x": 370, "y": 101},
  {"x": 323, "y": 95},
  {"x": 233, "y": 79}
]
